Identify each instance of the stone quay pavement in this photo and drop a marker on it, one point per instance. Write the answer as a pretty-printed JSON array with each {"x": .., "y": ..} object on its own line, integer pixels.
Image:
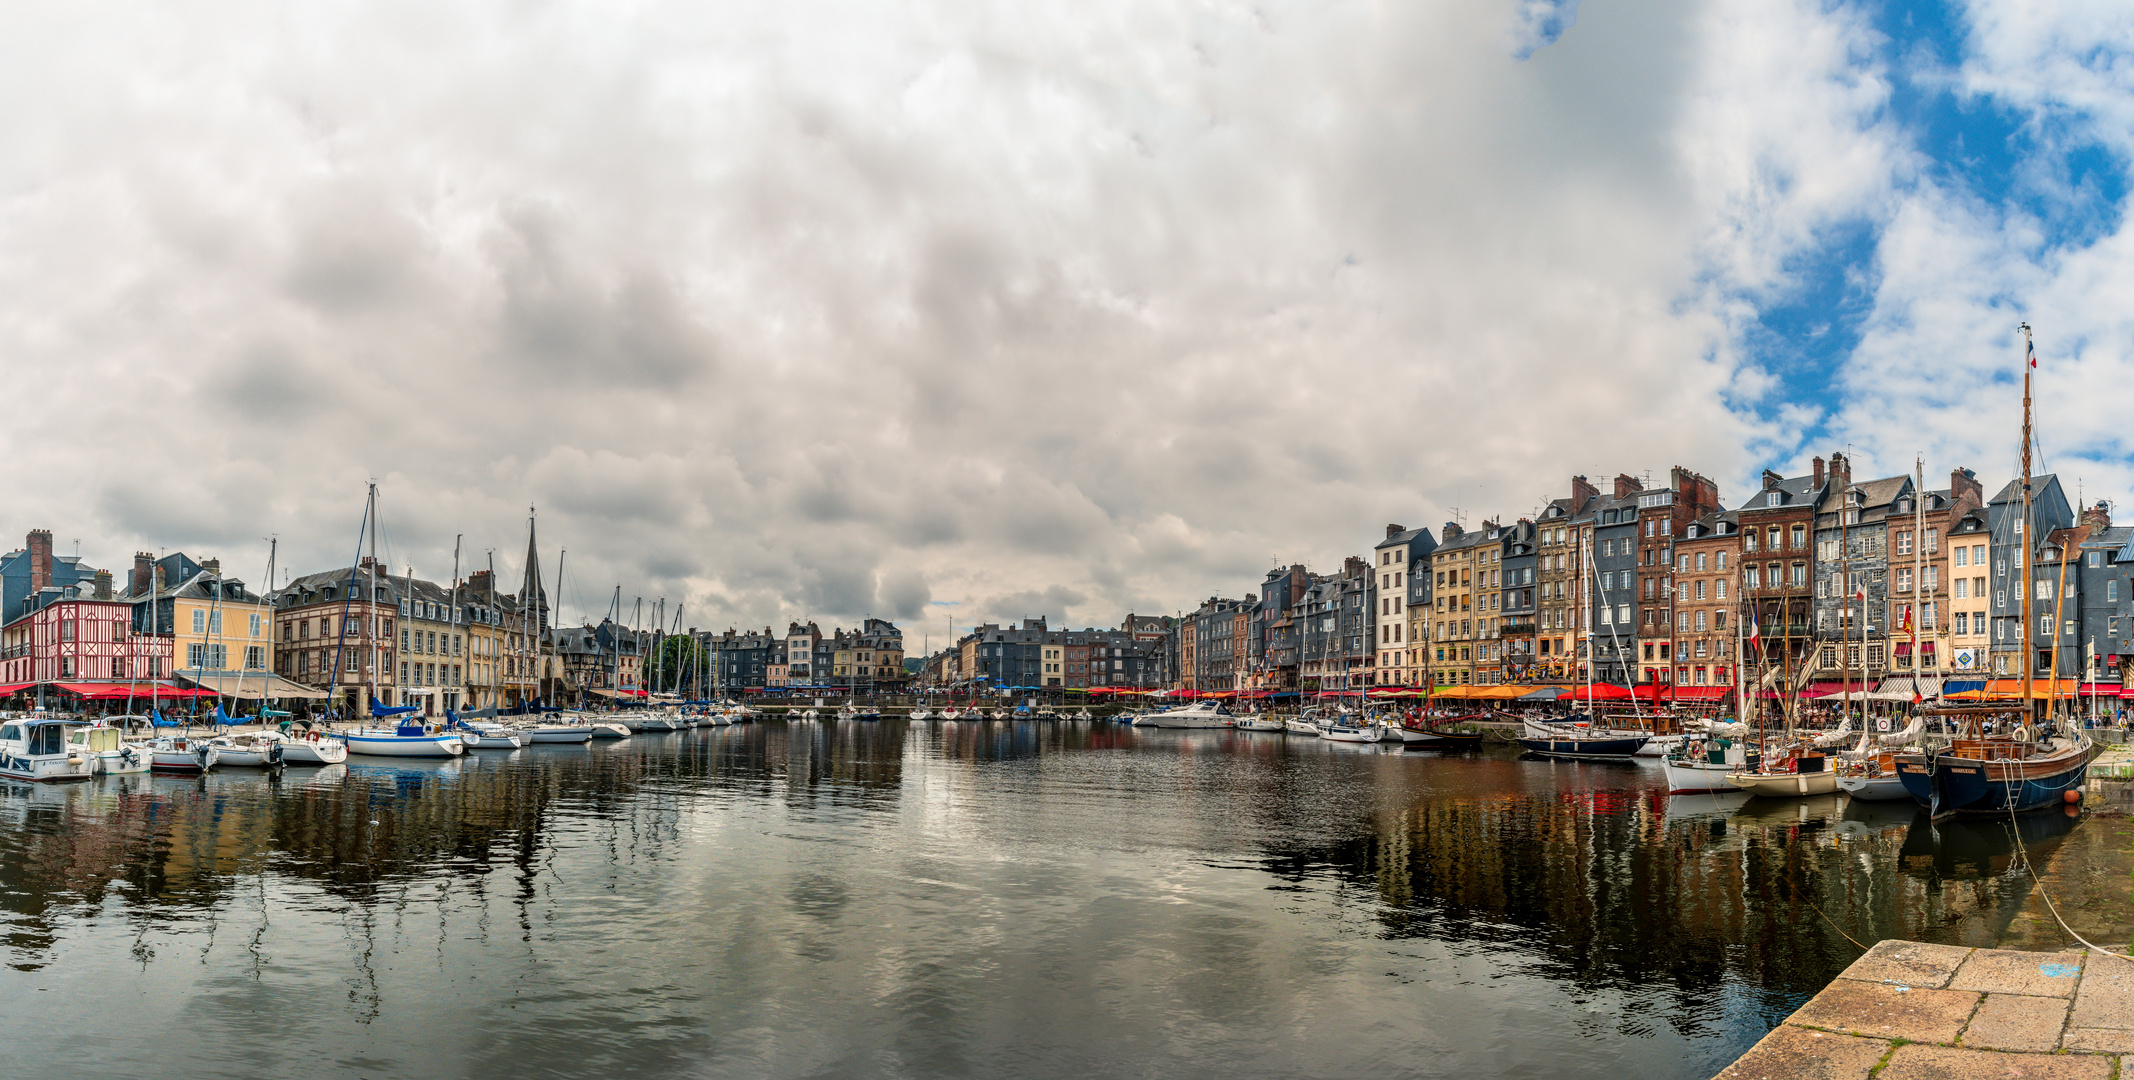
[{"x": 1909, "y": 1010}]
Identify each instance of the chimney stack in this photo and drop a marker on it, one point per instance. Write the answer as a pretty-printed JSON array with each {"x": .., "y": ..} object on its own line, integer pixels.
[
  {"x": 1772, "y": 480},
  {"x": 142, "y": 575},
  {"x": 1394, "y": 530},
  {"x": 1627, "y": 485},
  {"x": 1840, "y": 471},
  {"x": 212, "y": 566},
  {"x": 1818, "y": 472},
  {"x": 1965, "y": 493},
  {"x": 40, "y": 548},
  {"x": 2098, "y": 517},
  {"x": 1452, "y": 530},
  {"x": 103, "y": 585},
  {"x": 1582, "y": 493}
]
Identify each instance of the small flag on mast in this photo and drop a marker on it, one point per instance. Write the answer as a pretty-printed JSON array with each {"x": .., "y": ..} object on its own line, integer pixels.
[
  {"x": 1755, "y": 632},
  {"x": 2030, "y": 352}
]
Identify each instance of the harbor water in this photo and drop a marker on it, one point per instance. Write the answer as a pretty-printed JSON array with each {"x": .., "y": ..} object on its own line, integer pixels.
[{"x": 981, "y": 899}]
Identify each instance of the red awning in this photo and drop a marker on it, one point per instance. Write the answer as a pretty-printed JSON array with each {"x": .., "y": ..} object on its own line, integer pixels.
[
  {"x": 1601, "y": 692},
  {"x": 9, "y": 689},
  {"x": 1701, "y": 693},
  {"x": 1904, "y": 648}
]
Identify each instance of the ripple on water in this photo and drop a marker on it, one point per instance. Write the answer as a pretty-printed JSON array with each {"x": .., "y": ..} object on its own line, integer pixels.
[{"x": 992, "y": 899}]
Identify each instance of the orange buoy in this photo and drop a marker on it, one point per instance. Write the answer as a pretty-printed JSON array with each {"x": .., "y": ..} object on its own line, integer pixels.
[{"x": 2071, "y": 796}]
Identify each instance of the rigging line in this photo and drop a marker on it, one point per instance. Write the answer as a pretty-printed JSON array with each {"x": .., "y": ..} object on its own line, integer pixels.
[
  {"x": 2032, "y": 870},
  {"x": 1834, "y": 923}
]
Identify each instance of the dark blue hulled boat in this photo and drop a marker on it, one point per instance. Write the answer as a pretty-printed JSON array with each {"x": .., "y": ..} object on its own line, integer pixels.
[
  {"x": 1586, "y": 749},
  {"x": 1982, "y": 773}
]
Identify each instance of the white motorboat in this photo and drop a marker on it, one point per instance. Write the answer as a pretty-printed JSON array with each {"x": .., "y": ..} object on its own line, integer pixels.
[
  {"x": 249, "y": 750},
  {"x": 849, "y": 712},
  {"x": 1082, "y": 714},
  {"x": 810, "y": 714},
  {"x": 608, "y": 729},
  {"x": 410, "y": 740},
  {"x": 920, "y": 713},
  {"x": 1301, "y": 725},
  {"x": 1257, "y": 722},
  {"x": 1704, "y": 765},
  {"x": 1200, "y": 714},
  {"x": 107, "y": 748},
  {"x": 180, "y": 753},
  {"x": 1408, "y": 736},
  {"x": 1785, "y": 785},
  {"x": 37, "y": 749},
  {"x": 1340, "y": 731},
  {"x": 952, "y": 713},
  {"x": 313, "y": 748}
]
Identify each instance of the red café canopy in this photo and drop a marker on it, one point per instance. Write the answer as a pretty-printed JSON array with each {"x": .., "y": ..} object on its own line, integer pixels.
[
  {"x": 123, "y": 691},
  {"x": 13, "y": 687},
  {"x": 1601, "y": 692},
  {"x": 1669, "y": 692}
]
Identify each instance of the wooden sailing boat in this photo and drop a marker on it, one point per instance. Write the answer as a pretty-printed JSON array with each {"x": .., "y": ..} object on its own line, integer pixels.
[{"x": 2007, "y": 769}]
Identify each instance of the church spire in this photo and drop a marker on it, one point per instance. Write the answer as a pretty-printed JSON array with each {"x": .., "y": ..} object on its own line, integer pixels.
[{"x": 536, "y": 597}]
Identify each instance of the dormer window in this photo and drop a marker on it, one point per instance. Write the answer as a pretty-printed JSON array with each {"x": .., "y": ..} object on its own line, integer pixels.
[{"x": 1775, "y": 498}]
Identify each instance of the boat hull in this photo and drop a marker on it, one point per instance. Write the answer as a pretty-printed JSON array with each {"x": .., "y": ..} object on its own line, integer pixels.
[
  {"x": 309, "y": 752},
  {"x": 562, "y": 733},
  {"x": 1585, "y": 749},
  {"x": 412, "y": 746},
  {"x": 1692, "y": 777},
  {"x": 1874, "y": 788},
  {"x": 46, "y": 768},
  {"x": 1785, "y": 785}
]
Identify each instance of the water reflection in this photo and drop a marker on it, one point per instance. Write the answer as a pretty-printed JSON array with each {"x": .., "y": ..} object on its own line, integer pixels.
[{"x": 970, "y": 898}]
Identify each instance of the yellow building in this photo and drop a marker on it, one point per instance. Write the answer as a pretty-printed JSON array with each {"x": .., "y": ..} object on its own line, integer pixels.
[{"x": 220, "y": 631}]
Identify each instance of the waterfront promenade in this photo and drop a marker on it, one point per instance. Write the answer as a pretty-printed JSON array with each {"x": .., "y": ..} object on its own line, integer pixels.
[{"x": 1910, "y": 1009}]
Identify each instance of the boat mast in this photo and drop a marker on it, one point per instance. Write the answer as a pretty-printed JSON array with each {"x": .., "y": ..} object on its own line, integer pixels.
[
  {"x": 1845, "y": 583},
  {"x": 1919, "y": 562},
  {"x": 455, "y": 590},
  {"x": 370, "y": 623},
  {"x": 2023, "y": 583}
]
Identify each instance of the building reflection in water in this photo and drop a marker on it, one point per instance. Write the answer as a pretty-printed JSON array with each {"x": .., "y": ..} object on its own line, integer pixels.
[{"x": 1587, "y": 876}]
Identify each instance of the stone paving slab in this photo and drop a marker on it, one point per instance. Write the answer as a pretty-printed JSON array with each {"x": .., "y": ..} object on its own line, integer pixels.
[
  {"x": 2106, "y": 997},
  {"x": 2098, "y": 1041},
  {"x": 2003, "y": 972},
  {"x": 1918, "y": 1062},
  {"x": 1792, "y": 1053},
  {"x": 2016, "y": 1022},
  {"x": 1908, "y": 1010},
  {"x": 1883, "y": 1011},
  {"x": 1909, "y": 963}
]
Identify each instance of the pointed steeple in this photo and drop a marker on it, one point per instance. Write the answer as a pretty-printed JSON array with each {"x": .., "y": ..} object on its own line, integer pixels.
[{"x": 536, "y": 596}]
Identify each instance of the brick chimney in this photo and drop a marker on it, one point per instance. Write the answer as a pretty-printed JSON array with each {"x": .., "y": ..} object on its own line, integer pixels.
[
  {"x": 40, "y": 549},
  {"x": 212, "y": 566},
  {"x": 2098, "y": 517},
  {"x": 1840, "y": 471},
  {"x": 103, "y": 585},
  {"x": 1395, "y": 530},
  {"x": 1452, "y": 530},
  {"x": 1627, "y": 485},
  {"x": 1772, "y": 480},
  {"x": 1965, "y": 493},
  {"x": 1819, "y": 472},
  {"x": 142, "y": 575},
  {"x": 1582, "y": 493}
]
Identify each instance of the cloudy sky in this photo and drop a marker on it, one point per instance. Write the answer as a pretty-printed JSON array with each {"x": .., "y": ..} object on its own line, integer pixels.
[{"x": 948, "y": 311}]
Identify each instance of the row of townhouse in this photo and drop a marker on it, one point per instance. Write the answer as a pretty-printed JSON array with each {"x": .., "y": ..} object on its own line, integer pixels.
[
  {"x": 1143, "y": 652},
  {"x": 1814, "y": 581},
  {"x": 342, "y": 634}
]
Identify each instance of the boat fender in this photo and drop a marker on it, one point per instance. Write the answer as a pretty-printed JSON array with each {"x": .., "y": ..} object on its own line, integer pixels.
[{"x": 2071, "y": 797}]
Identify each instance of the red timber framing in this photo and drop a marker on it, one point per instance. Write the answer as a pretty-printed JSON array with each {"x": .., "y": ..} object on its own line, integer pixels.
[{"x": 81, "y": 641}]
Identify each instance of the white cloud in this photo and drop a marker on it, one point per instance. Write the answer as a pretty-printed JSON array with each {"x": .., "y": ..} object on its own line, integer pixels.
[{"x": 824, "y": 309}]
